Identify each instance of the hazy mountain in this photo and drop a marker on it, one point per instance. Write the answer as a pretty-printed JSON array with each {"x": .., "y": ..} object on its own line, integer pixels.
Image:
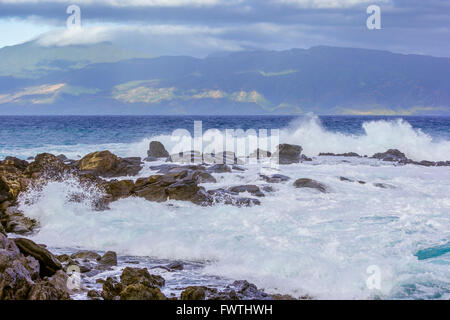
[{"x": 323, "y": 80}]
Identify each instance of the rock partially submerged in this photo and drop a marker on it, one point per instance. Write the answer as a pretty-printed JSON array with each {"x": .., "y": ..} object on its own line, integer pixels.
[
  {"x": 311, "y": 184},
  {"x": 135, "y": 284},
  {"x": 289, "y": 154},
  {"x": 157, "y": 150}
]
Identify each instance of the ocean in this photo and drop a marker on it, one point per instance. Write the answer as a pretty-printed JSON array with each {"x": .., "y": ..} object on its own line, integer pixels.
[{"x": 298, "y": 241}]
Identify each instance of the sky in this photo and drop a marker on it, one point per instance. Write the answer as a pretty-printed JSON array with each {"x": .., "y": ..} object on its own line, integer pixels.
[{"x": 203, "y": 27}]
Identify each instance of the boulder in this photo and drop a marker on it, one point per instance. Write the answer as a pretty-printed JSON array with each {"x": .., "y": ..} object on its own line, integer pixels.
[
  {"x": 287, "y": 154},
  {"x": 118, "y": 189},
  {"x": 194, "y": 293},
  {"x": 226, "y": 197},
  {"x": 4, "y": 190},
  {"x": 49, "y": 265},
  {"x": 219, "y": 168},
  {"x": 252, "y": 189},
  {"x": 392, "y": 155},
  {"x": 107, "y": 164},
  {"x": 347, "y": 154},
  {"x": 109, "y": 259},
  {"x": 141, "y": 292},
  {"x": 132, "y": 276},
  {"x": 111, "y": 289},
  {"x": 86, "y": 255},
  {"x": 46, "y": 165},
  {"x": 16, "y": 222},
  {"x": 51, "y": 288},
  {"x": 157, "y": 150},
  {"x": 17, "y": 272},
  {"x": 16, "y": 162},
  {"x": 275, "y": 178},
  {"x": 312, "y": 184}
]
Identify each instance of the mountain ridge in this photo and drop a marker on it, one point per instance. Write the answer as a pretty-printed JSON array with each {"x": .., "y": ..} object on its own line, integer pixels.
[{"x": 322, "y": 80}]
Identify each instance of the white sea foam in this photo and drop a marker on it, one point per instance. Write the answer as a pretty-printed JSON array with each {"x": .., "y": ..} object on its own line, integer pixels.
[
  {"x": 298, "y": 241},
  {"x": 307, "y": 131}
]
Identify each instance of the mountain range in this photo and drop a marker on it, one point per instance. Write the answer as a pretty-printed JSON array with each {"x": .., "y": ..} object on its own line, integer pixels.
[{"x": 106, "y": 79}]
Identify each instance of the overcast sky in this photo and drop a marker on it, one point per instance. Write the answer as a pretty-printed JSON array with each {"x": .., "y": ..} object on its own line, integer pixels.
[{"x": 201, "y": 27}]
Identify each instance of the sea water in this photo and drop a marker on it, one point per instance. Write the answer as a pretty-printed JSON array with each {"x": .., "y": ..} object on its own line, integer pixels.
[{"x": 298, "y": 241}]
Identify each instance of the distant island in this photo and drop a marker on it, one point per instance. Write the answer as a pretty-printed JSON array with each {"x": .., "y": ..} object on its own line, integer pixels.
[{"x": 105, "y": 79}]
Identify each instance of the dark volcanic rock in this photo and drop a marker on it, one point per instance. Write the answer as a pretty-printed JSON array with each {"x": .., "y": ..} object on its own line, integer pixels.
[
  {"x": 252, "y": 189},
  {"x": 312, "y": 184},
  {"x": 219, "y": 168},
  {"x": 194, "y": 293},
  {"x": 157, "y": 150},
  {"x": 46, "y": 164},
  {"x": 16, "y": 222},
  {"x": 131, "y": 276},
  {"x": 51, "y": 288},
  {"x": 348, "y": 154},
  {"x": 226, "y": 197},
  {"x": 111, "y": 289},
  {"x": 141, "y": 292},
  {"x": 275, "y": 178},
  {"x": 109, "y": 259},
  {"x": 4, "y": 190},
  {"x": 392, "y": 155},
  {"x": 384, "y": 186},
  {"x": 106, "y": 164},
  {"x": 288, "y": 154},
  {"x": 49, "y": 265},
  {"x": 86, "y": 255},
  {"x": 16, "y": 162}
]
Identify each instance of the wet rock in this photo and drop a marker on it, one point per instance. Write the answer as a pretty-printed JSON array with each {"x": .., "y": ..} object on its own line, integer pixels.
[
  {"x": 194, "y": 293},
  {"x": 275, "y": 178},
  {"x": 384, "y": 186},
  {"x": 94, "y": 294},
  {"x": 152, "y": 188},
  {"x": 111, "y": 289},
  {"x": 203, "y": 177},
  {"x": 16, "y": 222},
  {"x": 392, "y": 155},
  {"x": 157, "y": 150},
  {"x": 283, "y": 297},
  {"x": 86, "y": 255},
  {"x": 185, "y": 190},
  {"x": 246, "y": 290},
  {"x": 288, "y": 154},
  {"x": 219, "y": 168},
  {"x": 346, "y": 179},
  {"x": 62, "y": 157},
  {"x": 238, "y": 168},
  {"x": 226, "y": 197},
  {"x": 106, "y": 164},
  {"x": 118, "y": 189},
  {"x": 17, "y": 272},
  {"x": 46, "y": 165},
  {"x": 49, "y": 265},
  {"x": 4, "y": 190},
  {"x": 347, "y": 154},
  {"x": 312, "y": 184},
  {"x": 51, "y": 288},
  {"x": 141, "y": 292},
  {"x": 176, "y": 265},
  {"x": 109, "y": 259},
  {"x": 252, "y": 189},
  {"x": 132, "y": 276},
  {"x": 16, "y": 162}
]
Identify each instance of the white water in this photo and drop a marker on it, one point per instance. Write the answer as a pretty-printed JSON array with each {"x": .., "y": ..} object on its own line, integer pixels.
[
  {"x": 298, "y": 241},
  {"x": 308, "y": 132}
]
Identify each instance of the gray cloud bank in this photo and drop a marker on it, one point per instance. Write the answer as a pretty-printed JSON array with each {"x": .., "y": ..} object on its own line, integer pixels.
[{"x": 201, "y": 27}]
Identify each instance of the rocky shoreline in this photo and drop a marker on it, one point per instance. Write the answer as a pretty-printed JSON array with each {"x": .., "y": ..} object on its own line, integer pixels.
[{"x": 30, "y": 271}]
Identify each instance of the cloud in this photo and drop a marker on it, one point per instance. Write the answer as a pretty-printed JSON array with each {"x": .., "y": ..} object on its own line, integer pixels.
[
  {"x": 199, "y": 27},
  {"x": 329, "y": 4}
]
